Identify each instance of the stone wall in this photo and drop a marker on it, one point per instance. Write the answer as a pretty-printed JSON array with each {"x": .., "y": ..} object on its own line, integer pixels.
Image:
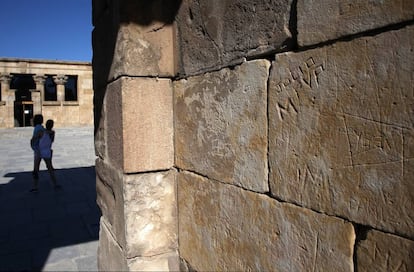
[
  {"x": 268, "y": 136},
  {"x": 133, "y": 64}
]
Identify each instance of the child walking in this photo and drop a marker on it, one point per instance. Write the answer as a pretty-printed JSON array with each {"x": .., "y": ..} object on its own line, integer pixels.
[{"x": 51, "y": 132}]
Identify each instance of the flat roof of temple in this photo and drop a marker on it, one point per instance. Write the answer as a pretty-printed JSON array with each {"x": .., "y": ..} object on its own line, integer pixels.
[{"x": 44, "y": 61}]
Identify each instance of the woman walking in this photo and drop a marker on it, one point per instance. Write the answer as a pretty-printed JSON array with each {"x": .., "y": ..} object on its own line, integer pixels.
[{"x": 42, "y": 146}]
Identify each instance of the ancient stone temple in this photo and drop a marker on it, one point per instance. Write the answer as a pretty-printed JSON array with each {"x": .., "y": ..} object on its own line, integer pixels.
[
  {"x": 60, "y": 90},
  {"x": 238, "y": 135}
]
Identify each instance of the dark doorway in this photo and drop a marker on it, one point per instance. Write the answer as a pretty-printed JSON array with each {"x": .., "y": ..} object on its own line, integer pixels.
[{"x": 23, "y": 105}]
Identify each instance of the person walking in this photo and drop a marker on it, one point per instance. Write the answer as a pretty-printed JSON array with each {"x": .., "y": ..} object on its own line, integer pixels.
[
  {"x": 34, "y": 143},
  {"x": 51, "y": 133},
  {"x": 42, "y": 145}
]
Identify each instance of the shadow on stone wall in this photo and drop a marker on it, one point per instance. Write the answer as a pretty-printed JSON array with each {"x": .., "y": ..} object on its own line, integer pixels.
[
  {"x": 35, "y": 224},
  {"x": 108, "y": 16}
]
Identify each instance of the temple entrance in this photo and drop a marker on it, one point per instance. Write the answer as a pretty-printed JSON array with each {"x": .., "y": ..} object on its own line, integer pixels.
[
  {"x": 23, "y": 105},
  {"x": 23, "y": 113}
]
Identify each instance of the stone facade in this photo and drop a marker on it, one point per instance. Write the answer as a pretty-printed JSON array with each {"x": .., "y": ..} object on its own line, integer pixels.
[
  {"x": 16, "y": 111},
  {"x": 267, "y": 136},
  {"x": 341, "y": 118},
  {"x": 226, "y": 145}
]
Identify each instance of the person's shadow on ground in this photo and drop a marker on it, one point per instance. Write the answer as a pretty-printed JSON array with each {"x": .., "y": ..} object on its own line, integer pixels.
[{"x": 34, "y": 224}]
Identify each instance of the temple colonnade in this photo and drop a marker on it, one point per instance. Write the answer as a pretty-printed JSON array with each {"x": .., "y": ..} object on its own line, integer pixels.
[{"x": 41, "y": 88}]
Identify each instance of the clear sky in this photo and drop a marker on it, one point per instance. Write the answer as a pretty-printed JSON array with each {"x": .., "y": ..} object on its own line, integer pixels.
[{"x": 46, "y": 29}]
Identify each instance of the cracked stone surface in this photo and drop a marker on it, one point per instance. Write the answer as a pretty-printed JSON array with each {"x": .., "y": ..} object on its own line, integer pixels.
[
  {"x": 323, "y": 20},
  {"x": 214, "y": 33},
  {"x": 385, "y": 252},
  {"x": 225, "y": 228},
  {"x": 341, "y": 130},
  {"x": 221, "y": 126}
]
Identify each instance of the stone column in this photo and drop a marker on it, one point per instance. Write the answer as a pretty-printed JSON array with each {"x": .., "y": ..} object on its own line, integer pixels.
[
  {"x": 8, "y": 97},
  {"x": 5, "y": 86},
  {"x": 40, "y": 85},
  {"x": 136, "y": 180},
  {"x": 60, "y": 81},
  {"x": 38, "y": 95}
]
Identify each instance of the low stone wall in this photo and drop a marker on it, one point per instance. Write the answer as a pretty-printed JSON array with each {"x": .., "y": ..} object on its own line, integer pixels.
[{"x": 267, "y": 136}]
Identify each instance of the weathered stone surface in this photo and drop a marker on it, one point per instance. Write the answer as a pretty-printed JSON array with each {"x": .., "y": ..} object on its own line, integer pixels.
[
  {"x": 213, "y": 34},
  {"x": 110, "y": 256},
  {"x": 109, "y": 190},
  {"x": 100, "y": 130},
  {"x": 140, "y": 210},
  {"x": 144, "y": 50},
  {"x": 319, "y": 21},
  {"x": 140, "y": 126},
  {"x": 385, "y": 252},
  {"x": 221, "y": 125},
  {"x": 134, "y": 38},
  {"x": 6, "y": 105},
  {"x": 225, "y": 228},
  {"x": 341, "y": 130},
  {"x": 150, "y": 214},
  {"x": 162, "y": 262}
]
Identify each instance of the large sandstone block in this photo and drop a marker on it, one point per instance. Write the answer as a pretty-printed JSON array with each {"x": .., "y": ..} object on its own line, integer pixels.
[
  {"x": 3, "y": 115},
  {"x": 143, "y": 50},
  {"x": 139, "y": 210},
  {"x": 139, "y": 128},
  {"x": 341, "y": 130},
  {"x": 385, "y": 252},
  {"x": 112, "y": 258},
  {"x": 163, "y": 262},
  {"x": 324, "y": 20},
  {"x": 110, "y": 198},
  {"x": 213, "y": 34},
  {"x": 150, "y": 214},
  {"x": 110, "y": 255},
  {"x": 226, "y": 228},
  {"x": 134, "y": 38},
  {"x": 99, "y": 113},
  {"x": 221, "y": 125}
]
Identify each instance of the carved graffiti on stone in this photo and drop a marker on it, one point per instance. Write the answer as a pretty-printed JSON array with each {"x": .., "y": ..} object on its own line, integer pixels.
[
  {"x": 363, "y": 142},
  {"x": 372, "y": 142},
  {"x": 287, "y": 107},
  {"x": 305, "y": 75},
  {"x": 305, "y": 174}
]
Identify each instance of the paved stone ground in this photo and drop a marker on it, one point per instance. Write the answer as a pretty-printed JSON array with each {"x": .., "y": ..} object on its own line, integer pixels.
[{"x": 49, "y": 230}]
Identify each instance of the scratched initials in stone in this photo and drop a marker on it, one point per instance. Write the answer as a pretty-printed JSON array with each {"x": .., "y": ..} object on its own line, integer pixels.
[
  {"x": 310, "y": 73},
  {"x": 283, "y": 110},
  {"x": 306, "y": 74}
]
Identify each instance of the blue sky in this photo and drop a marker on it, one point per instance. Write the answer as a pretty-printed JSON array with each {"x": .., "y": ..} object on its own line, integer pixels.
[{"x": 46, "y": 29}]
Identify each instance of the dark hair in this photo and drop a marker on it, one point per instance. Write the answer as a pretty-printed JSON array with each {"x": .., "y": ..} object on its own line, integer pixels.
[
  {"x": 49, "y": 124},
  {"x": 37, "y": 119}
]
